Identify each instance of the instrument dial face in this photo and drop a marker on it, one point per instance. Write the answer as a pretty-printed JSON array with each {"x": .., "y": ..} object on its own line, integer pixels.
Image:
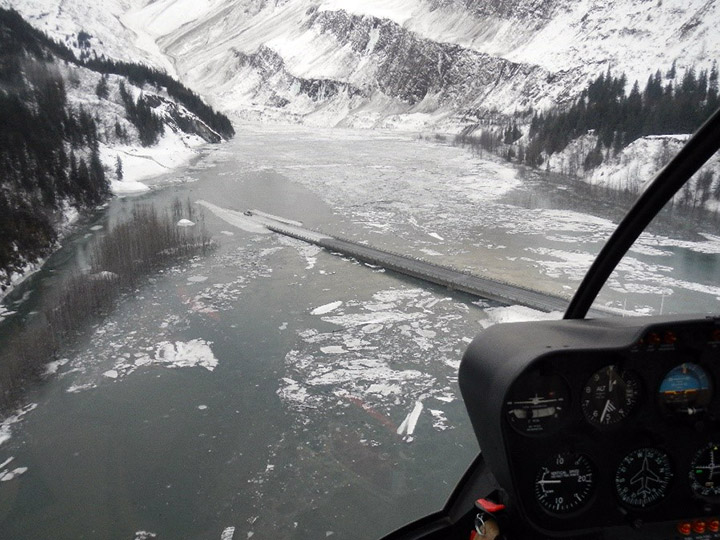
[
  {"x": 565, "y": 483},
  {"x": 537, "y": 403},
  {"x": 685, "y": 390},
  {"x": 610, "y": 395},
  {"x": 705, "y": 471},
  {"x": 643, "y": 476}
]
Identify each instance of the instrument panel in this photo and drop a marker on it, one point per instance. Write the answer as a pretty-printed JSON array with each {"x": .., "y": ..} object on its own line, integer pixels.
[{"x": 599, "y": 425}]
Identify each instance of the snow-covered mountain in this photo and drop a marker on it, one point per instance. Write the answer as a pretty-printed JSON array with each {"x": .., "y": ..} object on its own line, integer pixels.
[
  {"x": 411, "y": 63},
  {"x": 72, "y": 131}
]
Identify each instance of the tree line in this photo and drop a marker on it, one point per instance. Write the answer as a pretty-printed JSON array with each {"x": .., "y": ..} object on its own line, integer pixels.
[
  {"x": 49, "y": 150},
  {"x": 664, "y": 106},
  {"x": 49, "y": 156}
]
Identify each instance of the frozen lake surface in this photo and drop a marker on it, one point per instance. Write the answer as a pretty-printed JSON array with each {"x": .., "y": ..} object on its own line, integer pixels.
[{"x": 272, "y": 389}]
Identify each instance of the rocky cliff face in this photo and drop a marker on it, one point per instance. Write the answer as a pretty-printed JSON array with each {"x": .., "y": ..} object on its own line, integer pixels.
[{"x": 412, "y": 63}]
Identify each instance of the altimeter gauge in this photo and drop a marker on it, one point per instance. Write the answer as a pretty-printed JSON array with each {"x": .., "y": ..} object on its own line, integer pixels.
[
  {"x": 537, "y": 403},
  {"x": 565, "y": 483},
  {"x": 705, "y": 471},
  {"x": 610, "y": 395},
  {"x": 643, "y": 477}
]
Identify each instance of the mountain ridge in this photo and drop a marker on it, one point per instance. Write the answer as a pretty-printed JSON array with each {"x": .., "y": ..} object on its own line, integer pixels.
[{"x": 568, "y": 42}]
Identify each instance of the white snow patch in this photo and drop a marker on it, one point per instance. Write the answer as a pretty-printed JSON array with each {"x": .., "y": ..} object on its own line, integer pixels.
[
  {"x": 235, "y": 218},
  {"x": 127, "y": 187},
  {"x": 185, "y": 223},
  {"x": 228, "y": 533},
  {"x": 197, "y": 279},
  {"x": 497, "y": 315}
]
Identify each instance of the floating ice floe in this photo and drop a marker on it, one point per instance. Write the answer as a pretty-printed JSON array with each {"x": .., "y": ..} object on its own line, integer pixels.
[
  {"x": 407, "y": 428},
  {"x": 185, "y": 223},
  {"x": 6, "y": 475},
  {"x": 104, "y": 276},
  {"x": 6, "y": 425},
  {"x": 228, "y": 533},
  {"x": 333, "y": 349},
  {"x": 51, "y": 368},
  {"x": 196, "y": 352},
  {"x": 327, "y": 308}
]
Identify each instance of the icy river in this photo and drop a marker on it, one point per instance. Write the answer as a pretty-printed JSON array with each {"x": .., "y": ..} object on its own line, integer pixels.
[{"x": 274, "y": 390}]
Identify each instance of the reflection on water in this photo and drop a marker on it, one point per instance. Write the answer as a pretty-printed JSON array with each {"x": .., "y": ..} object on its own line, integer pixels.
[{"x": 331, "y": 408}]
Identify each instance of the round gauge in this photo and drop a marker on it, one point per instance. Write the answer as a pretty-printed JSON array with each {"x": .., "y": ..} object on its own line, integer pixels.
[
  {"x": 705, "y": 471},
  {"x": 610, "y": 395},
  {"x": 565, "y": 483},
  {"x": 685, "y": 390},
  {"x": 537, "y": 402},
  {"x": 643, "y": 476}
]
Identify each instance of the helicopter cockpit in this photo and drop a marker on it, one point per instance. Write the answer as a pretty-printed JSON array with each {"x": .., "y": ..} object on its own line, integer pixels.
[{"x": 594, "y": 428}]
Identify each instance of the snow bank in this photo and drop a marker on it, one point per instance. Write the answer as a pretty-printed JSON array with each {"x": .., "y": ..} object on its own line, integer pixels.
[
  {"x": 637, "y": 164},
  {"x": 510, "y": 314}
]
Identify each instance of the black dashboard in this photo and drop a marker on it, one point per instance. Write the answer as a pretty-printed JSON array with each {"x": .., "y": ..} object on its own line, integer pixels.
[{"x": 606, "y": 428}]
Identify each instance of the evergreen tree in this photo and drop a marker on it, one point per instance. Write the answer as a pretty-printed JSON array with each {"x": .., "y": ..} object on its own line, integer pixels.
[
  {"x": 118, "y": 168},
  {"x": 102, "y": 89}
]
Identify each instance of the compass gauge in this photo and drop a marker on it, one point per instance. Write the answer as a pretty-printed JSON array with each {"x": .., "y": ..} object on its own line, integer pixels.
[
  {"x": 705, "y": 471},
  {"x": 643, "y": 476},
  {"x": 565, "y": 483},
  {"x": 610, "y": 395}
]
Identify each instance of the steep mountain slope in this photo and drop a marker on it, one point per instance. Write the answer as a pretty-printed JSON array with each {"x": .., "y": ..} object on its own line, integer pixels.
[
  {"x": 70, "y": 130},
  {"x": 442, "y": 63}
]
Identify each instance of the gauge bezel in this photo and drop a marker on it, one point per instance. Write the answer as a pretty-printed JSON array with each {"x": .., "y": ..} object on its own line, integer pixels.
[
  {"x": 668, "y": 482},
  {"x": 671, "y": 412},
  {"x": 627, "y": 376},
  {"x": 587, "y": 497},
  {"x": 551, "y": 425},
  {"x": 691, "y": 477}
]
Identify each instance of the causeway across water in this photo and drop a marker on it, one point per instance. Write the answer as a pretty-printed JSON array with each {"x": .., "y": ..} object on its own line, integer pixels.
[{"x": 445, "y": 276}]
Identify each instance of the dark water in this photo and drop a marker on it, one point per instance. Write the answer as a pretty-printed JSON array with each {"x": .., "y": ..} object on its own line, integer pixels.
[{"x": 297, "y": 431}]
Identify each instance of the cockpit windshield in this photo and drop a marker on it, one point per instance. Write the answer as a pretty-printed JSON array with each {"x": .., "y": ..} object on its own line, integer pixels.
[{"x": 245, "y": 244}]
